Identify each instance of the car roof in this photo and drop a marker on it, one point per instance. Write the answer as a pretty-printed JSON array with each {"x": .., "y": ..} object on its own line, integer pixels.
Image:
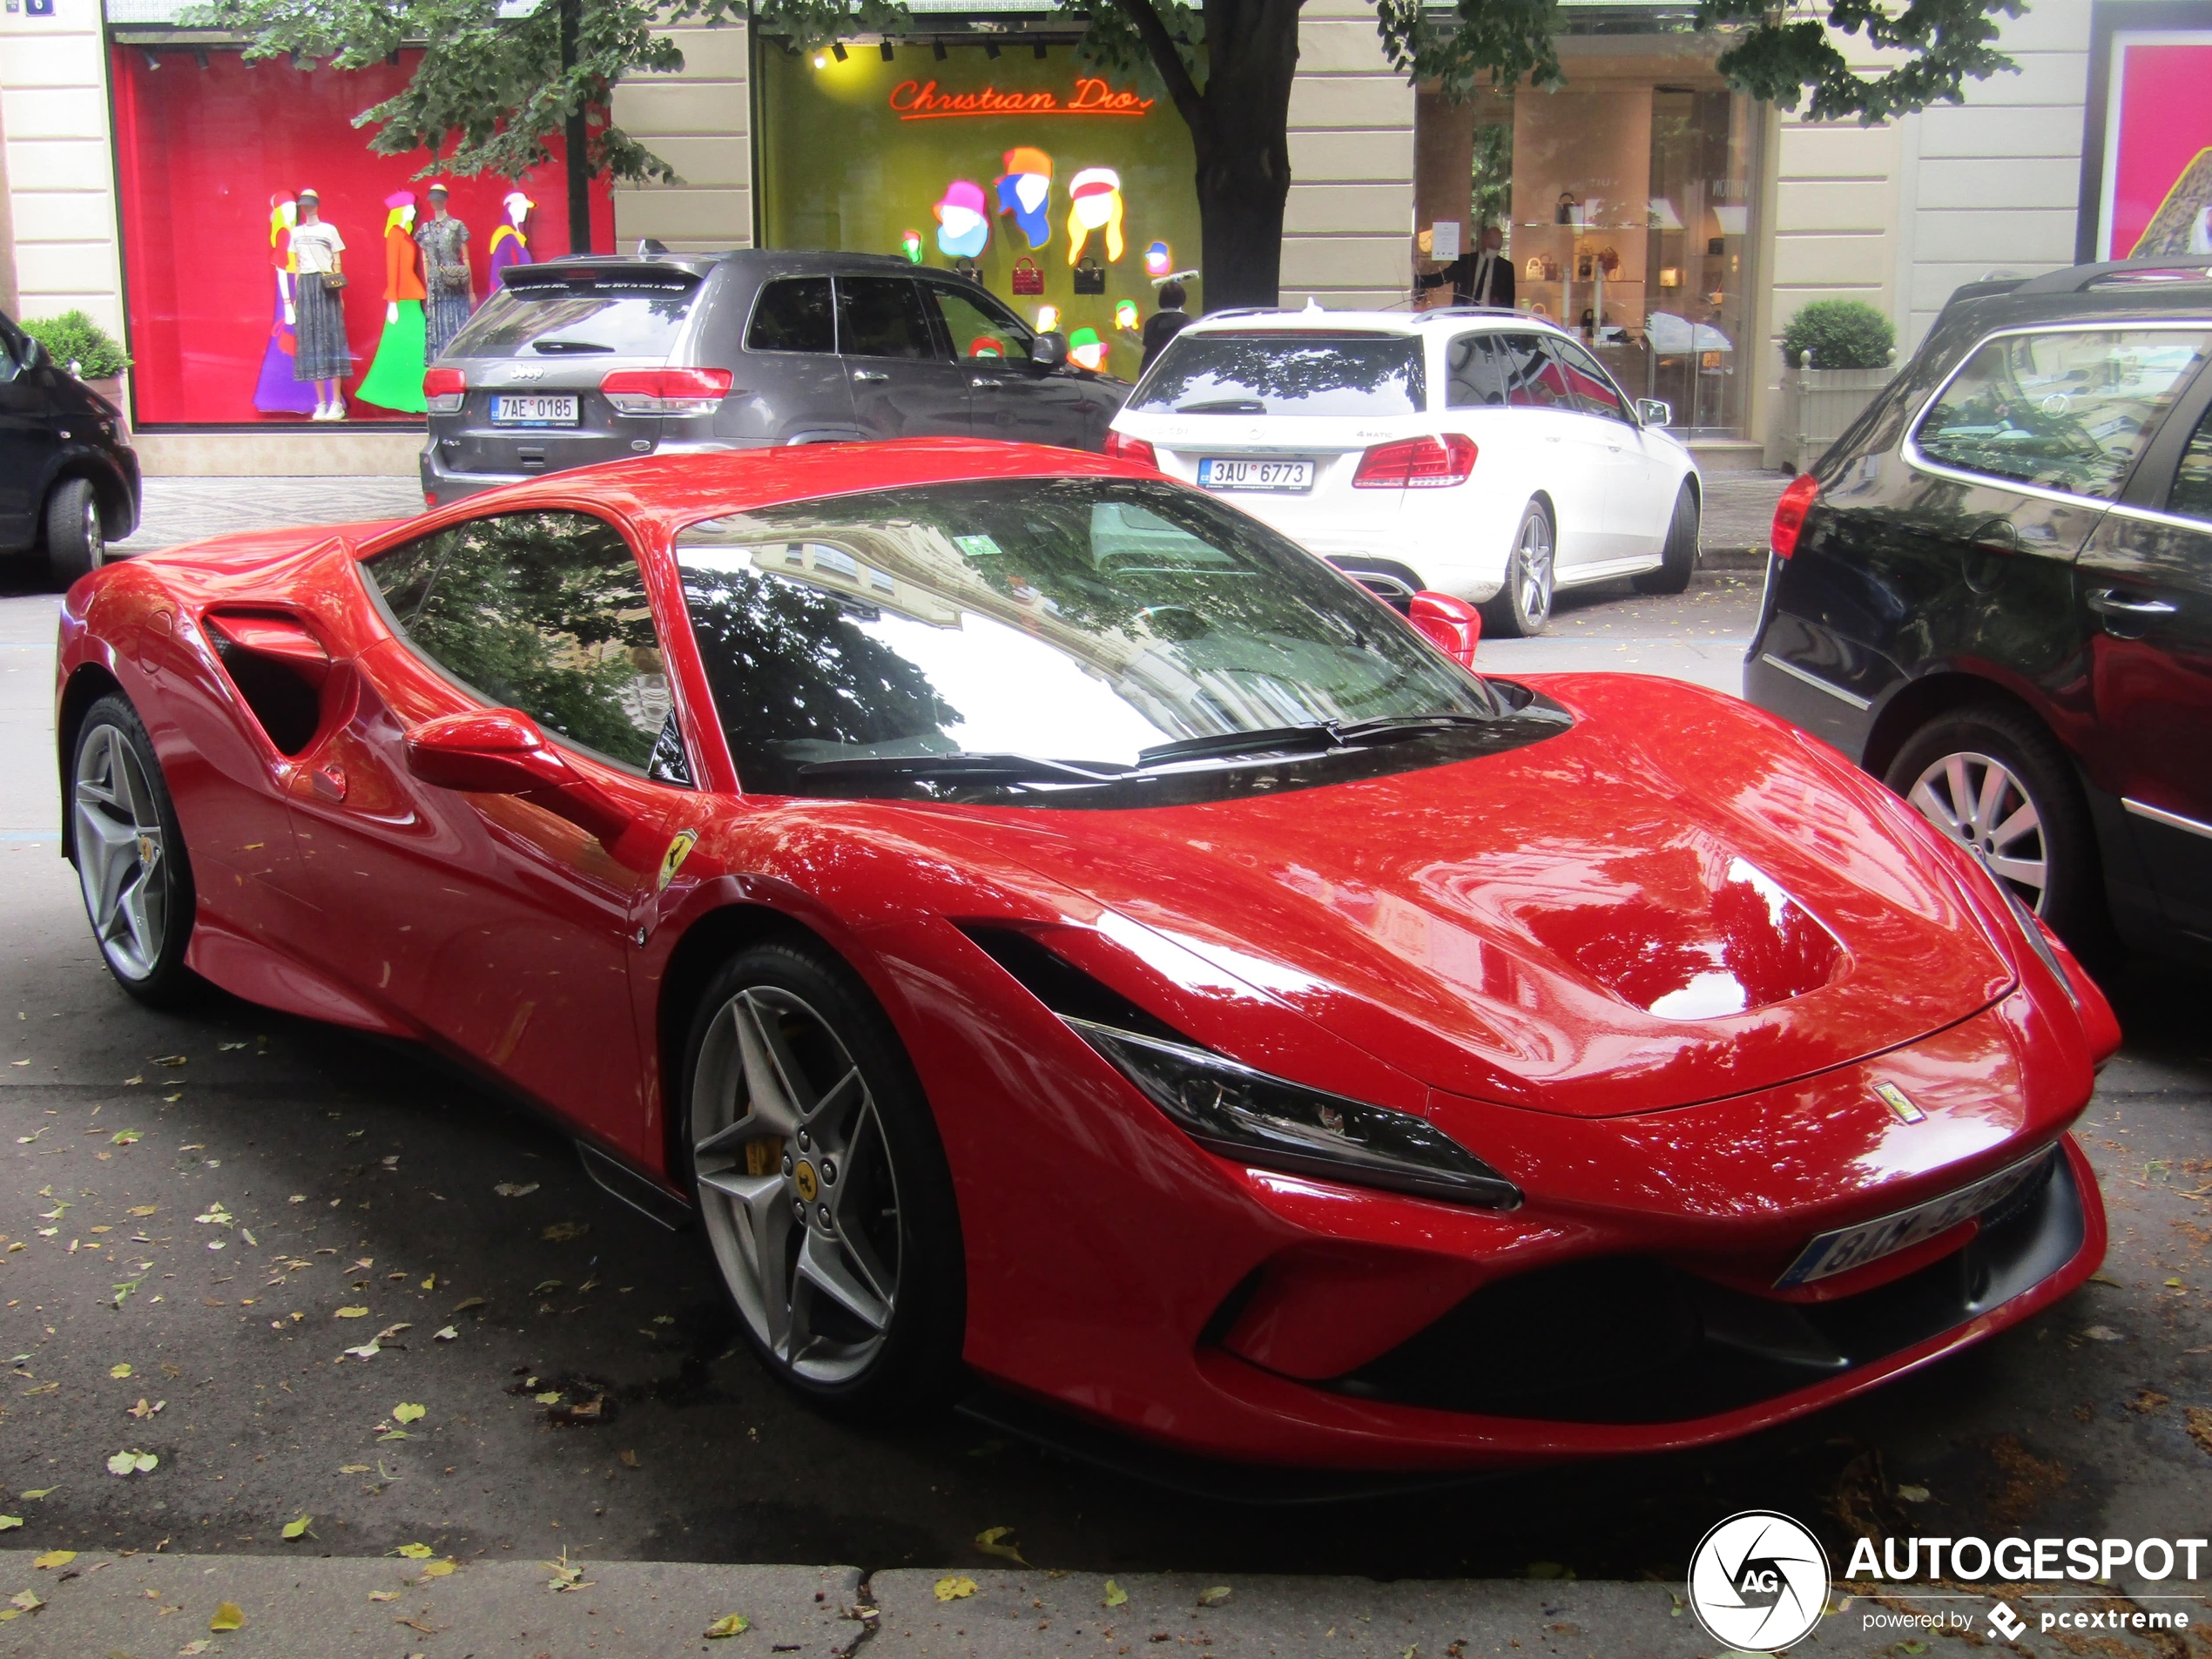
[
  {"x": 1410, "y": 324},
  {"x": 764, "y": 261}
]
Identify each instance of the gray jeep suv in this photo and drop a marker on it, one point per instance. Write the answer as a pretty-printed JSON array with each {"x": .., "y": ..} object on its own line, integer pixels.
[{"x": 596, "y": 358}]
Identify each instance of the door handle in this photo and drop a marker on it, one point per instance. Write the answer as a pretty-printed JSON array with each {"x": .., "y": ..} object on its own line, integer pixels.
[
  {"x": 868, "y": 375},
  {"x": 2107, "y": 602}
]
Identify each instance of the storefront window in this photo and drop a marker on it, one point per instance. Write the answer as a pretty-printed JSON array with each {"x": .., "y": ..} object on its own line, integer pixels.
[
  {"x": 1062, "y": 188},
  {"x": 213, "y": 153},
  {"x": 1625, "y": 199}
]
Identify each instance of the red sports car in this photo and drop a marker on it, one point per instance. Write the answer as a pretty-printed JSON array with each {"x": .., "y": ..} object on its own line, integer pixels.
[{"x": 1051, "y": 929}]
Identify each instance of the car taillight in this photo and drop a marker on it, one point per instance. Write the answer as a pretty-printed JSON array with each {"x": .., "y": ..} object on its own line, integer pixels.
[
  {"x": 430, "y": 498},
  {"x": 1417, "y": 464},
  {"x": 666, "y": 391},
  {"x": 1789, "y": 514},
  {"x": 1123, "y": 447},
  {"x": 444, "y": 389}
]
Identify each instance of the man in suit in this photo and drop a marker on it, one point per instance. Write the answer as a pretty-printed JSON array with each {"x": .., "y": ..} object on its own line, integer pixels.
[{"x": 1483, "y": 276}]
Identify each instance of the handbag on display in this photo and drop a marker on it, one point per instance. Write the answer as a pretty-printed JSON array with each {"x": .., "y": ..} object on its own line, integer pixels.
[
  {"x": 1535, "y": 272},
  {"x": 1569, "y": 210},
  {"x": 1090, "y": 277},
  {"x": 1027, "y": 278},
  {"x": 332, "y": 280}
]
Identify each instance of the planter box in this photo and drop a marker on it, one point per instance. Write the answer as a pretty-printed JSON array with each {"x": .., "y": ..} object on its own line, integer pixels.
[
  {"x": 113, "y": 391},
  {"x": 1821, "y": 403}
]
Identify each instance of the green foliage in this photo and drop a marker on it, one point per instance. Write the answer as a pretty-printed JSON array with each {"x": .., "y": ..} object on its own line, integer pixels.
[
  {"x": 1838, "y": 333},
  {"x": 1493, "y": 174},
  {"x": 79, "y": 345}
]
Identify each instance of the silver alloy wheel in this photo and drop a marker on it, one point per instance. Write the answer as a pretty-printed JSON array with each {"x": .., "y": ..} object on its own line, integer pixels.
[
  {"x": 1978, "y": 802},
  {"x": 94, "y": 543},
  {"x": 796, "y": 1184},
  {"x": 1535, "y": 550},
  {"x": 121, "y": 861}
]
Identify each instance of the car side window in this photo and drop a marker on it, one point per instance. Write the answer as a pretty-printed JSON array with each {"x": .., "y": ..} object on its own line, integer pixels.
[
  {"x": 2191, "y": 496},
  {"x": 1474, "y": 373},
  {"x": 1592, "y": 391},
  {"x": 882, "y": 317},
  {"x": 2068, "y": 410},
  {"x": 793, "y": 314},
  {"x": 978, "y": 328},
  {"x": 1533, "y": 380},
  {"x": 545, "y": 612}
]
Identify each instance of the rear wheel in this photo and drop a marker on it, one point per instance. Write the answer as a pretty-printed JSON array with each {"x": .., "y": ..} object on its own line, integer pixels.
[
  {"x": 823, "y": 1185},
  {"x": 1679, "y": 562},
  {"x": 1992, "y": 779},
  {"x": 129, "y": 856},
  {"x": 75, "y": 544},
  {"x": 1524, "y": 604}
]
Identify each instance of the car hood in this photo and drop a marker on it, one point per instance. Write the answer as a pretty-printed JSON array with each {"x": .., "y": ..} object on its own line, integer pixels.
[{"x": 1677, "y": 899}]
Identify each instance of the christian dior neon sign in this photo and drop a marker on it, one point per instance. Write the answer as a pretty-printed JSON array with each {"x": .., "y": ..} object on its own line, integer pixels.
[{"x": 921, "y": 101}]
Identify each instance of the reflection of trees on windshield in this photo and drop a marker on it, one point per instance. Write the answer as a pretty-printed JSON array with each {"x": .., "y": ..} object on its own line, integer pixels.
[
  {"x": 545, "y": 612},
  {"x": 1301, "y": 374},
  {"x": 791, "y": 665}
]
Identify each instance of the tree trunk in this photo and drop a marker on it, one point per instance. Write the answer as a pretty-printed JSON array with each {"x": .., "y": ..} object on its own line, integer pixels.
[
  {"x": 576, "y": 139},
  {"x": 1242, "y": 188}
]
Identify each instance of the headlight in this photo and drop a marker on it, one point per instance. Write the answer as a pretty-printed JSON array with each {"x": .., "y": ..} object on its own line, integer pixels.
[{"x": 1250, "y": 1117}]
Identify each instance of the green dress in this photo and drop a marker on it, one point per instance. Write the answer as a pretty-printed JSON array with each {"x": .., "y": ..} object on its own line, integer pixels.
[{"x": 394, "y": 379}]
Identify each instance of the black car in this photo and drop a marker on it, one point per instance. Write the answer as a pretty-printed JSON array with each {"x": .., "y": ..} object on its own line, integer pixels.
[
  {"x": 1995, "y": 592},
  {"x": 69, "y": 482},
  {"x": 592, "y": 358}
]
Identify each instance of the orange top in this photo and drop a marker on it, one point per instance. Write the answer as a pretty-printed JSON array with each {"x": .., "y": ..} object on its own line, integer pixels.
[{"x": 402, "y": 267}]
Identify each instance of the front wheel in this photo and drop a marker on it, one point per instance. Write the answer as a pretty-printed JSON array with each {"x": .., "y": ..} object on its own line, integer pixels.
[
  {"x": 129, "y": 856},
  {"x": 823, "y": 1185},
  {"x": 1679, "y": 562},
  {"x": 1524, "y": 604},
  {"x": 75, "y": 544}
]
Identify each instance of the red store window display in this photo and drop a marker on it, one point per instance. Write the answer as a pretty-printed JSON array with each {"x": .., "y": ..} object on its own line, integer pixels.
[{"x": 214, "y": 153}]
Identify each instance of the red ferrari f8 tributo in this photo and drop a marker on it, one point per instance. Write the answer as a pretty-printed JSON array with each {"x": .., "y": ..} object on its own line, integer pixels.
[{"x": 1051, "y": 929}]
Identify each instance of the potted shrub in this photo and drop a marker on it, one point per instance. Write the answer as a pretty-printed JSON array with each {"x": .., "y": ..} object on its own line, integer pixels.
[
  {"x": 1839, "y": 354},
  {"x": 86, "y": 350}
]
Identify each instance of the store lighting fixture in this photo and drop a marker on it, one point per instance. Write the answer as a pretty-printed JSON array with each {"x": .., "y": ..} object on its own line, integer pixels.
[
  {"x": 837, "y": 50},
  {"x": 153, "y": 60},
  {"x": 990, "y": 49},
  {"x": 937, "y": 51},
  {"x": 884, "y": 46},
  {"x": 821, "y": 60},
  {"x": 1037, "y": 51}
]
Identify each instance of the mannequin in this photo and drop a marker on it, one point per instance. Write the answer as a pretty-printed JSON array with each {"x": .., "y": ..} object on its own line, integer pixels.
[
  {"x": 444, "y": 242},
  {"x": 394, "y": 379},
  {"x": 510, "y": 242},
  {"x": 323, "y": 359},
  {"x": 276, "y": 392}
]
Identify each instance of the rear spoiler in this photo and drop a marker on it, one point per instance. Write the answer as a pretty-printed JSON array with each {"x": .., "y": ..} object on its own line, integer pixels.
[{"x": 637, "y": 276}]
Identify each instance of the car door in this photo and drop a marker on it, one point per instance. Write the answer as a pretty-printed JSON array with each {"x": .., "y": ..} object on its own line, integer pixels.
[
  {"x": 1010, "y": 397},
  {"x": 2145, "y": 585},
  {"x": 1565, "y": 454},
  {"x": 502, "y": 929},
  {"x": 1635, "y": 515},
  {"x": 28, "y": 440},
  {"x": 905, "y": 384},
  {"x": 793, "y": 371}
]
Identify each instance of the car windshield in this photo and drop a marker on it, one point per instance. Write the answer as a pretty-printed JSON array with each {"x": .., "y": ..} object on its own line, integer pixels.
[
  {"x": 550, "y": 314},
  {"x": 1043, "y": 641},
  {"x": 1299, "y": 373}
]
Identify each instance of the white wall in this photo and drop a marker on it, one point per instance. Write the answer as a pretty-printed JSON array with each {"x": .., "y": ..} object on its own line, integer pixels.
[
  {"x": 700, "y": 123},
  {"x": 60, "y": 174},
  {"x": 1348, "y": 226}
]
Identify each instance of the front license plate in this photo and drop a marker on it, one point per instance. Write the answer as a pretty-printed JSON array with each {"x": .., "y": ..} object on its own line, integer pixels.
[
  {"x": 537, "y": 410},
  {"x": 1849, "y": 1247},
  {"x": 1216, "y": 472}
]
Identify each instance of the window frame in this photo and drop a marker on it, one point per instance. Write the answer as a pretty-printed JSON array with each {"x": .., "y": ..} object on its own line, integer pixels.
[
  {"x": 931, "y": 324},
  {"x": 1909, "y": 447},
  {"x": 744, "y": 340},
  {"x": 1591, "y": 368},
  {"x": 406, "y": 642}
]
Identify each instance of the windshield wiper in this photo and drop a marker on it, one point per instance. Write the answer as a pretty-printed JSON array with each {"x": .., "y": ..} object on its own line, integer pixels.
[
  {"x": 979, "y": 768},
  {"x": 568, "y": 345},
  {"x": 1313, "y": 737},
  {"x": 1223, "y": 406}
]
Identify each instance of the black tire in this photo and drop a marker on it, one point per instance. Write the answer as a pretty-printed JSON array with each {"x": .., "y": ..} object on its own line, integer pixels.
[
  {"x": 2070, "y": 895},
  {"x": 812, "y": 1005},
  {"x": 1679, "y": 562},
  {"x": 1523, "y": 606},
  {"x": 75, "y": 544},
  {"x": 130, "y": 857}
]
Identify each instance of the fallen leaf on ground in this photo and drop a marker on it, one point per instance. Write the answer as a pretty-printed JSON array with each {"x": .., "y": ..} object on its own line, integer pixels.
[
  {"x": 954, "y": 1589},
  {"x": 229, "y": 1047},
  {"x": 463, "y": 1307},
  {"x": 8, "y": 1523},
  {"x": 142, "y": 1411},
  {"x": 383, "y": 1596},
  {"x": 2103, "y": 1333},
  {"x": 413, "y": 1551},
  {"x": 431, "y": 1283},
  {"x": 297, "y": 1528},
  {"x": 54, "y": 1558},
  {"x": 551, "y": 1397},
  {"x": 2147, "y": 1401},
  {"x": 169, "y": 1059},
  {"x": 352, "y": 1314},
  {"x": 143, "y": 1209},
  {"x": 629, "y": 1458},
  {"x": 353, "y": 1469},
  {"x": 566, "y": 1577},
  {"x": 42, "y": 1492},
  {"x": 1913, "y": 1495},
  {"x": 560, "y": 1231},
  {"x": 442, "y": 1569},
  {"x": 191, "y": 1648},
  {"x": 446, "y": 1335},
  {"x": 25, "y": 1602},
  {"x": 127, "y": 1138},
  {"x": 123, "y": 1370},
  {"x": 391, "y": 1331},
  {"x": 2199, "y": 1422},
  {"x": 510, "y": 1190},
  {"x": 131, "y": 1463},
  {"x": 992, "y": 1542},
  {"x": 406, "y": 1414},
  {"x": 228, "y": 1616},
  {"x": 1115, "y": 1596},
  {"x": 1213, "y": 1596},
  {"x": 730, "y": 1624}
]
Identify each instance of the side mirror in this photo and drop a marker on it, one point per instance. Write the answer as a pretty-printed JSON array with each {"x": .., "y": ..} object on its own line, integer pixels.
[
  {"x": 34, "y": 352},
  {"x": 501, "y": 752},
  {"x": 1655, "y": 412},
  {"x": 1049, "y": 351},
  {"x": 1453, "y": 626}
]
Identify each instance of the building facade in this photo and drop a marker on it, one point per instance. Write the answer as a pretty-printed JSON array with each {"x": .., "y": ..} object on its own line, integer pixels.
[{"x": 151, "y": 180}]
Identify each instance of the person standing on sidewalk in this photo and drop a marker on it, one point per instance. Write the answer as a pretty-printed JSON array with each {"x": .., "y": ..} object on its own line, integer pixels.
[{"x": 1164, "y": 324}]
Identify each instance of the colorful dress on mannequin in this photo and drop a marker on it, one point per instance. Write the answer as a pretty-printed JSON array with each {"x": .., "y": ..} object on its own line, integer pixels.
[
  {"x": 322, "y": 352},
  {"x": 394, "y": 379},
  {"x": 277, "y": 392},
  {"x": 444, "y": 243},
  {"x": 510, "y": 242}
]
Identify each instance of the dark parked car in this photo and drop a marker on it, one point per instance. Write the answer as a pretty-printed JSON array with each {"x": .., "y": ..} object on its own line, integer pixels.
[
  {"x": 69, "y": 482},
  {"x": 1995, "y": 592},
  {"x": 594, "y": 359}
]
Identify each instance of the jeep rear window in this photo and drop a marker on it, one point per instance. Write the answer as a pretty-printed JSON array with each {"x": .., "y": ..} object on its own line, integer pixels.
[
  {"x": 1300, "y": 372},
  {"x": 549, "y": 314}
]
